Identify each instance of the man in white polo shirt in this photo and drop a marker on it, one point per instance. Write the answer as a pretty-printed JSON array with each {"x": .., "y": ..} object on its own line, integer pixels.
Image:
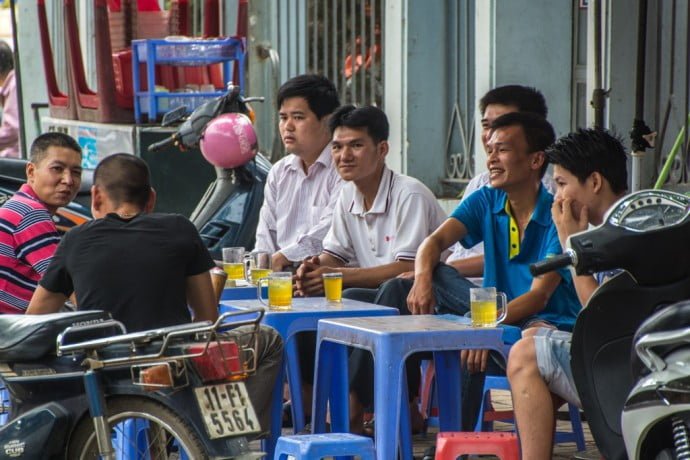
[
  {"x": 380, "y": 218},
  {"x": 379, "y": 221}
]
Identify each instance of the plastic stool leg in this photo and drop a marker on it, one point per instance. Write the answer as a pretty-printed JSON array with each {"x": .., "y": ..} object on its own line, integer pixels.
[{"x": 576, "y": 423}]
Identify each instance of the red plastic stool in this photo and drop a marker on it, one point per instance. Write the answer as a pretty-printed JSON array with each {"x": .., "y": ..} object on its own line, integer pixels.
[{"x": 449, "y": 446}]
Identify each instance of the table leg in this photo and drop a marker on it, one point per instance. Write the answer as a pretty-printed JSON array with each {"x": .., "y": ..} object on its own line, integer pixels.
[
  {"x": 388, "y": 394},
  {"x": 269, "y": 444},
  {"x": 448, "y": 385},
  {"x": 294, "y": 376}
]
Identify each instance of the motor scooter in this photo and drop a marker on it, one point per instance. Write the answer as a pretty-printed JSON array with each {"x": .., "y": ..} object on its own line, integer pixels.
[
  {"x": 656, "y": 416},
  {"x": 645, "y": 235},
  {"x": 172, "y": 393},
  {"x": 228, "y": 213}
]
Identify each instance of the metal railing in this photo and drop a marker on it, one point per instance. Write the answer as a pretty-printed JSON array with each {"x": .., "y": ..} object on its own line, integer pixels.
[{"x": 346, "y": 45}]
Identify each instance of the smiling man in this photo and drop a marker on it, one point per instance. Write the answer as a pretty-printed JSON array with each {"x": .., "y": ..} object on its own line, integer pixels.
[
  {"x": 512, "y": 218},
  {"x": 381, "y": 216},
  {"x": 301, "y": 188},
  {"x": 378, "y": 223},
  {"x": 28, "y": 237}
]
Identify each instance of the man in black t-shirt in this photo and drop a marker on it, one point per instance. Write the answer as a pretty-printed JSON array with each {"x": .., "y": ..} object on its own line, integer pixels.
[{"x": 144, "y": 268}]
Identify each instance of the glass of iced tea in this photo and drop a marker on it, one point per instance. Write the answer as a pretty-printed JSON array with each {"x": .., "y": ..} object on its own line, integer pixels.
[
  {"x": 233, "y": 263},
  {"x": 484, "y": 307},
  {"x": 333, "y": 287},
  {"x": 258, "y": 266},
  {"x": 279, "y": 290}
]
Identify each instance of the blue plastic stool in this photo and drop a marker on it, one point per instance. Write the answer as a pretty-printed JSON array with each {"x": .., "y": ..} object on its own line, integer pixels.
[
  {"x": 391, "y": 340},
  {"x": 494, "y": 382},
  {"x": 512, "y": 334},
  {"x": 304, "y": 316},
  {"x": 318, "y": 446},
  {"x": 130, "y": 440}
]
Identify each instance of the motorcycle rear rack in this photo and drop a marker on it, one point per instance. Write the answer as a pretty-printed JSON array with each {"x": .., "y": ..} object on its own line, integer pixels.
[{"x": 201, "y": 332}]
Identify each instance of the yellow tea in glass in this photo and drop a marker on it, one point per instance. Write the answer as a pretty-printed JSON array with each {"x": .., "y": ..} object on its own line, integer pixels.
[
  {"x": 255, "y": 274},
  {"x": 484, "y": 307},
  {"x": 233, "y": 263},
  {"x": 333, "y": 287},
  {"x": 234, "y": 271},
  {"x": 279, "y": 290}
]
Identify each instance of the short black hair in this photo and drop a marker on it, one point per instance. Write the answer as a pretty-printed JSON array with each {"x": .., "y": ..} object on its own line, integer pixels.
[
  {"x": 369, "y": 117},
  {"x": 586, "y": 151},
  {"x": 539, "y": 133},
  {"x": 125, "y": 179},
  {"x": 40, "y": 145},
  {"x": 6, "y": 58},
  {"x": 318, "y": 91},
  {"x": 524, "y": 98}
]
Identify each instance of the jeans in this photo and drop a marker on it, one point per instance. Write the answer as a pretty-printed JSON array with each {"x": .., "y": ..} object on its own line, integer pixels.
[{"x": 452, "y": 294}]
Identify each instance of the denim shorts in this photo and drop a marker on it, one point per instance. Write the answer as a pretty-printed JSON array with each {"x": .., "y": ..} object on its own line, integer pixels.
[{"x": 553, "y": 359}]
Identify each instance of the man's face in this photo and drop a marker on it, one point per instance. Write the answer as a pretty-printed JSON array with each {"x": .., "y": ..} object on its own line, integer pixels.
[
  {"x": 508, "y": 158},
  {"x": 355, "y": 154},
  {"x": 301, "y": 131},
  {"x": 569, "y": 186},
  {"x": 56, "y": 178},
  {"x": 491, "y": 112}
]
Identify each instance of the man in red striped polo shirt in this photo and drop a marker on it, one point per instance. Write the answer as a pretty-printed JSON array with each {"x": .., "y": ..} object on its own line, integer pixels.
[{"x": 28, "y": 237}]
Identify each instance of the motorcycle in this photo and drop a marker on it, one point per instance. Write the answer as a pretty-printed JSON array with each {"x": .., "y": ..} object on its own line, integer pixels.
[
  {"x": 645, "y": 235},
  {"x": 656, "y": 415},
  {"x": 13, "y": 175},
  {"x": 175, "y": 392}
]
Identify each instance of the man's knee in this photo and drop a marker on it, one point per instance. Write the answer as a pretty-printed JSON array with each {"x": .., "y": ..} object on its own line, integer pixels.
[
  {"x": 270, "y": 343},
  {"x": 393, "y": 293},
  {"x": 523, "y": 357}
]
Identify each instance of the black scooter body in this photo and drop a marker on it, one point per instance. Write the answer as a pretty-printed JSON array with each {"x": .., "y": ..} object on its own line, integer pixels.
[{"x": 646, "y": 235}]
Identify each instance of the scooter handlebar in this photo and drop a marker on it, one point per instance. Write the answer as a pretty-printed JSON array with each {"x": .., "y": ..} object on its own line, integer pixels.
[
  {"x": 553, "y": 263},
  {"x": 167, "y": 142}
]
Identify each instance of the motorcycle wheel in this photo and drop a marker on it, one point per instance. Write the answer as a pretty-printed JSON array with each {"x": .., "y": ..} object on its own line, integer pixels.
[{"x": 140, "y": 428}]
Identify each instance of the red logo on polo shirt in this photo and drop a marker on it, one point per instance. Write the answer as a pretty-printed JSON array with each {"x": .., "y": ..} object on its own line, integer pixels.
[{"x": 388, "y": 238}]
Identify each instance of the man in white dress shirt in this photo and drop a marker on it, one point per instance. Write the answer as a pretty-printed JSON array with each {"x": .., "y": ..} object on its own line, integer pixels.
[{"x": 301, "y": 189}]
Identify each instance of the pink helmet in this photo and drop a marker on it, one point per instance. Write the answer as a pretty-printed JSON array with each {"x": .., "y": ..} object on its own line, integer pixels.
[{"x": 229, "y": 141}]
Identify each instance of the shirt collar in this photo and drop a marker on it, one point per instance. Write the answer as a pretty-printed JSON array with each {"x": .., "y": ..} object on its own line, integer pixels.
[
  {"x": 324, "y": 159},
  {"x": 382, "y": 200},
  {"x": 542, "y": 211},
  {"x": 27, "y": 190}
]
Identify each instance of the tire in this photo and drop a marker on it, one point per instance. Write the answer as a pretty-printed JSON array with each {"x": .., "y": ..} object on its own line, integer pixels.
[{"x": 180, "y": 438}]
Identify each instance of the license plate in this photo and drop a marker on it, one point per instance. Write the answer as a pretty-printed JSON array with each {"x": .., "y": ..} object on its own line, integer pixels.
[{"x": 227, "y": 410}]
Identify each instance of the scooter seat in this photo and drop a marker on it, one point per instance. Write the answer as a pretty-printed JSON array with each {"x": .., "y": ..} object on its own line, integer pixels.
[
  {"x": 13, "y": 170},
  {"x": 673, "y": 317},
  {"x": 29, "y": 337}
]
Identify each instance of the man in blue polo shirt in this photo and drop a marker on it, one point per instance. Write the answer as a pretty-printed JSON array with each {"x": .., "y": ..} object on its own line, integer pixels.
[{"x": 513, "y": 219}]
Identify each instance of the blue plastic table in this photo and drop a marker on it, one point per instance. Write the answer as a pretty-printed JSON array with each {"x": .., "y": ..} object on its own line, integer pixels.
[
  {"x": 391, "y": 341},
  {"x": 242, "y": 293},
  {"x": 304, "y": 316}
]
